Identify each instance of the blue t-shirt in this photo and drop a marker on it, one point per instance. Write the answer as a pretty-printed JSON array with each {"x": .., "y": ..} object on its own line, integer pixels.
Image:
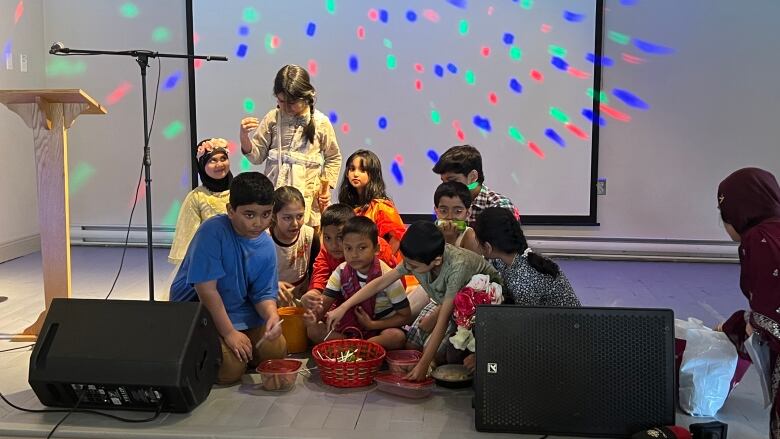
[{"x": 245, "y": 270}]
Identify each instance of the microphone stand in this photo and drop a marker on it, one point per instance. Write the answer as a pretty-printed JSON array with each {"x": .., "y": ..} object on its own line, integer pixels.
[{"x": 142, "y": 58}]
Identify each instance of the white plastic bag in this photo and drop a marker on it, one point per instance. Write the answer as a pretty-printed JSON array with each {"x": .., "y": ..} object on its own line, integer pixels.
[{"x": 707, "y": 368}]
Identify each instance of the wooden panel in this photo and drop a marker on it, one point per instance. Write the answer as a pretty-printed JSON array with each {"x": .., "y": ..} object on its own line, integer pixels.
[{"x": 65, "y": 96}]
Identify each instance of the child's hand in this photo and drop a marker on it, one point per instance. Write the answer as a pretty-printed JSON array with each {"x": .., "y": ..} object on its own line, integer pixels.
[
  {"x": 449, "y": 231},
  {"x": 428, "y": 322},
  {"x": 272, "y": 328},
  {"x": 309, "y": 318},
  {"x": 363, "y": 318},
  {"x": 239, "y": 345},
  {"x": 334, "y": 317},
  {"x": 470, "y": 362},
  {"x": 324, "y": 200},
  {"x": 286, "y": 293},
  {"x": 419, "y": 372},
  {"x": 248, "y": 125},
  {"x": 312, "y": 301}
]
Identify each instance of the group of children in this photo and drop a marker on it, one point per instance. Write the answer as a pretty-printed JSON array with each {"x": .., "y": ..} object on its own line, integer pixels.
[{"x": 248, "y": 244}]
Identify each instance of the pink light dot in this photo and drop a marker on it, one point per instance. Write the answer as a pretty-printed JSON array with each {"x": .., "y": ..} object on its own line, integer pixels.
[
  {"x": 373, "y": 14},
  {"x": 431, "y": 15},
  {"x": 419, "y": 68},
  {"x": 485, "y": 51},
  {"x": 232, "y": 147},
  {"x": 456, "y": 124},
  {"x": 345, "y": 128},
  {"x": 536, "y": 150},
  {"x": 490, "y": 10},
  {"x": 546, "y": 28},
  {"x": 275, "y": 42},
  {"x": 418, "y": 85},
  {"x": 361, "y": 32},
  {"x": 461, "y": 135},
  {"x": 313, "y": 67},
  {"x": 537, "y": 75},
  {"x": 198, "y": 63},
  {"x": 400, "y": 159},
  {"x": 195, "y": 37},
  {"x": 493, "y": 98}
]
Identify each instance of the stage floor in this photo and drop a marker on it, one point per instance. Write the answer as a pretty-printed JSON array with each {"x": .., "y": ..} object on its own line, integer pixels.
[{"x": 709, "y": 292}]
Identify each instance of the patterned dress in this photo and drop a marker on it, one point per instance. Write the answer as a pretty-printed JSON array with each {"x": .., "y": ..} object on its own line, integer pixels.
[
  {"x": 198, "y": 206},
  {"x": 532, "y": 288}
]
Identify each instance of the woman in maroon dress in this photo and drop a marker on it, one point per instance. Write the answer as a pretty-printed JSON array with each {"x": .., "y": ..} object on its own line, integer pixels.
[{"x": 749, "y": 203}]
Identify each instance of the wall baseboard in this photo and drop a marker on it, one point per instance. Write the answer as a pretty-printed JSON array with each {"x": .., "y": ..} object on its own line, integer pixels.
[{"x": 20, "y": 247}]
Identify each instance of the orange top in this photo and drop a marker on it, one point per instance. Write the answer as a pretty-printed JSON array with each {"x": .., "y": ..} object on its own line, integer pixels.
[{"x": 386, "y": 217}]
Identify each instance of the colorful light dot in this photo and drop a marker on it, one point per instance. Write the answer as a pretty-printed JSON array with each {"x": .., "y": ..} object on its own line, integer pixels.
[
  {"x": 559, "y": 63},
  {"x": 555, "y": 137},
  {"x": 353, "y": 63},
  {"x": 249, "y": 105},
  {"x": 435, "y": 117},
  {"x": 515, "y": 53},
  {"x": 243, "y": 30},
  {"x": 463, "y": 27},
  {"x": 330, "y": 6},
  {"x": 603, "y": 98},
  {"x": 508, "y": 38},
  {"x": 172, "y": 80},
  {"x": 463, "y": 4},
  {"x": 433, "y": 155},
  {"x": 250, "y": 15},
  {"x": 395, "y": 169},
  {"x": 431, "y": 15},
  {"x": 418, "y": 85},
  {"x": 246, "y": 165},
  {"x": 556, "y": 51},
  {"x": 619, "y": 38},
  {"x": 515, "y": 134},
  {"x": 161, "y": 34},
  {"x": 603, "y": 60},
  {"x": 384, "y": 17},
  {"x": 382, "y": 123},
  {"x": 19, "y": 11},
  {"x": 419, "y": 68},
  {"x": 198, "y": 63},
  {"x": 527, "y": 4},
  {"x": 345, "y": 128},
  {"x": 655, "y": 49},
  {"x": 536, "y": 150},
  {"x": 482, "y": 123},
  {"x": 452, "y": 68},
  {"x": 438, "y": 70},
  {"x": 79, "y": 176},
  {"x": 559, "y": 115},
  {"x": 587, "y": 113},
  {"x": 311, "y": 29},
  {"x": 172, "y": 214},
  {"x": 387, "y": 43},
  {"x": 545, "y": 28},
  {"x": 537, "y": 76},
  {"x": 630, "y": 99},
  {"x": 333, "y": 117},
  {"x": 515, "y": 86},
  {"x": 411, "y": 16},
  {"x": 173, "y": 129},
  {"x": 400, "y": 159},
  {"x": 373, "y": 14},
  {"x": 573, "y": 17},
  {"x": 577, "y": 131},
  {"x": 313, "y": 67},
  {"x": 129, "y": 10},
  {"x": 485, "y": 51},
  {"x": 392, "y": 63},
  {"x": 492, "y": 98},
  {"x": 615, "y": 114},
  {"x": 469, "y": 77},
  {"x": 241, "y": 50}
]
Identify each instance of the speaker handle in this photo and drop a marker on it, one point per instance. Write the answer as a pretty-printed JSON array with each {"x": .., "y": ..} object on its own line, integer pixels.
[{"x": 48, "y": 339}]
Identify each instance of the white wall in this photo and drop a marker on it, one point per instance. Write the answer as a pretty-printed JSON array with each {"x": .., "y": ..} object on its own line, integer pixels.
[
  {"x": 18, "y": 196},
  {"x": 715, "y": 107}
]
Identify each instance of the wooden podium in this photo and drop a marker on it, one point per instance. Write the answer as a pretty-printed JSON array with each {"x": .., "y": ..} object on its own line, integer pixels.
[{"x": 50, "y": 113}]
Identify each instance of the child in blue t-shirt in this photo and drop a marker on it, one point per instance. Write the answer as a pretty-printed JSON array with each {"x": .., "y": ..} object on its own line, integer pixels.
[{"x": 230, "y": 266}]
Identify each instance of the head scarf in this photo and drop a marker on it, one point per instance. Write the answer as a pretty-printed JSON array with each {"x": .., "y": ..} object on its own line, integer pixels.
[
  {"x": 206, "y": 150},
  {"x": 748, "y": 197}
]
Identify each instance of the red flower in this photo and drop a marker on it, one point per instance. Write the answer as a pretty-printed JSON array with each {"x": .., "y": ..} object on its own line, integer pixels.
[
  {"x": 464, "y": 302},
  {"x": 481, "y": 298}
]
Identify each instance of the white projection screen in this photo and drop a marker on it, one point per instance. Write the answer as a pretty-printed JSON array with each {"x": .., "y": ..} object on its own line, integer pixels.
[{"x": 408, "y": 79}]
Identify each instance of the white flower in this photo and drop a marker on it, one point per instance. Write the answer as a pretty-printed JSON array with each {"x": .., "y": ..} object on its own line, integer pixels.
[
  {"x": 479, "y": 282},
  {"x": 496, "y": 293},
  {"x": 464, "y": 339}
]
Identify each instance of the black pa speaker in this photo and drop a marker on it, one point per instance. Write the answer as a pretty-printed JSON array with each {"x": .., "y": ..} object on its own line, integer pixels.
[
  {"x": 574, "y": 371},
  {"x": 125, "y": 354}
]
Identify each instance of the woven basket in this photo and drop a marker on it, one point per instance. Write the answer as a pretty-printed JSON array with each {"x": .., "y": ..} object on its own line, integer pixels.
[{"x": 350, "y": 374}]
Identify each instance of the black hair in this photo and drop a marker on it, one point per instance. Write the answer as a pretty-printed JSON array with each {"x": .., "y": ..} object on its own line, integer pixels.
[
  {"x": 251, "y": 188},
  {"x": 460, "y": 159},
  {"x": 453, "y": 189},
  {"x": 293, "y": 81},
  {"x": 285, "y": 195},
  {"x": 363, "y": 226},
  {"x": 376, "y": 184},
  {"x": 498, "y": 227},
  {"x": 336, "y": 215},
  {"x": 423, "y": 242}
]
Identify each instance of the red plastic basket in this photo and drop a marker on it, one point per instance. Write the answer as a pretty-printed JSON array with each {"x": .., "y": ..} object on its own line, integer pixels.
[{"x": 351, "y": 374}]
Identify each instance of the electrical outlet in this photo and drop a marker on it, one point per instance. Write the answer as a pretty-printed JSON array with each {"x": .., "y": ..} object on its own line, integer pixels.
[
  {"x": 601, "y": 186},
  {"x": 22, "y": 62}
]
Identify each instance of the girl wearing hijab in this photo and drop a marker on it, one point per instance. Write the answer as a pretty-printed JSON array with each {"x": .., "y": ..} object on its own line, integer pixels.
[
  {"x": 749, "y": 203},
  {"x": 208, "y": 199}
]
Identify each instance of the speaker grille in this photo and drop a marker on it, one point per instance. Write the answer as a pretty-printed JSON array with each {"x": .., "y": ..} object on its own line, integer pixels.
[{"x": 574, "y": 370}]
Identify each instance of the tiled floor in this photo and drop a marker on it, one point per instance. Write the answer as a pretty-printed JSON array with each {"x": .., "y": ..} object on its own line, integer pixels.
[{"x": 709, "y": 292}]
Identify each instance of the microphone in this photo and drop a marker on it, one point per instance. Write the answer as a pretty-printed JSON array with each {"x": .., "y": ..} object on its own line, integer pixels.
[{"x": 57, "y": 48}]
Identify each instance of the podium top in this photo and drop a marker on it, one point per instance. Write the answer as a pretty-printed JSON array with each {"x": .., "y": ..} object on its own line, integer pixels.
[{"x": 65, "y": 96}]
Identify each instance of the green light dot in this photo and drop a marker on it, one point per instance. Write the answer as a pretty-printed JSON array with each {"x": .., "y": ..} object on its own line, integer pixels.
[
  {"x": 515, "y": 53},
  {"x": 517, "y": 135},
  {"x": 602, "y": 96},
  {"x": 249, "y": 105},
  {"x": 245, "y": 165},
  {"x": 559, "y": 115},
  {"x": 173, "y": 129},
  {"x": 558, "y": 51},
  {"x": 251, "y": 15},
  {"x": 172, "y": 214},
  {"x": 61, "y": 66},
  {"x": 435, "y": 117},
  {"x": 387, "y": 43},
  {"x": 330, "y": 5},
  {"x": 79, "y": 176},
  {"x": 129, "y": 10},
  {"x": 392, "y": 63},
  {"x": 527, "y": 4},
  {"x": 469, "y": 77},
  {"x": 463, "y": 27},
  {"x": 161, "y": 35},
  {"x": 368, "y": 142},
  {"x": 268, "y": 46},
  {"x": 619, "y": 38}
]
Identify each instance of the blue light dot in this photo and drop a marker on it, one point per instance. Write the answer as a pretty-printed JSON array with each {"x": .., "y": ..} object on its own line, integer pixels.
[
  {"x": 555, "y": 137},
  {"x": 382, "y": 123},
  {"x": 353, "y": 63},
  {"x": 438, "y": 70},
  {"x": 559, "y": 63},
  {"x": 515, "y": 85},
  {"x": 241, "y": 50},
  {"x": 172, "y": 80},
  {"x": 433, "y": 155},
  {"x": 573, "y": 17},
  {"x": 383, "y": 15},
  {"x": 395, "y": 169},
  {"x": 333, "y": 117},
  {"x": 482, "y": 123},
  {"x": 587, "y": 113},
  {"x": 509, "y": 39},
  {"x": 243, "y": 30},
  {"x": 411, "y": 16},
  {"x": 311, "y": 29},
  {"x": 604, "y": 60},
  {"x": 452, "y": 68}
]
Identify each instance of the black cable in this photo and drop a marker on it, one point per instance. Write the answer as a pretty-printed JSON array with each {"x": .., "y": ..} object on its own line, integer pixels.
[
  {"x": 138, "y": 185},
  {"x": 88, "y": 411},
  {"x": 16, "y": 348},
  {"x": 75, "y": 407}
]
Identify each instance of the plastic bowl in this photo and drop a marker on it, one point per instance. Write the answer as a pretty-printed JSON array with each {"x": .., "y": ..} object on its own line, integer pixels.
[
  {"x": 453, "y": 376},
  {"x": 279, "y": 375},
  {"x": 403, "y": 361},
  {"x": 397, "y": 385}
]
